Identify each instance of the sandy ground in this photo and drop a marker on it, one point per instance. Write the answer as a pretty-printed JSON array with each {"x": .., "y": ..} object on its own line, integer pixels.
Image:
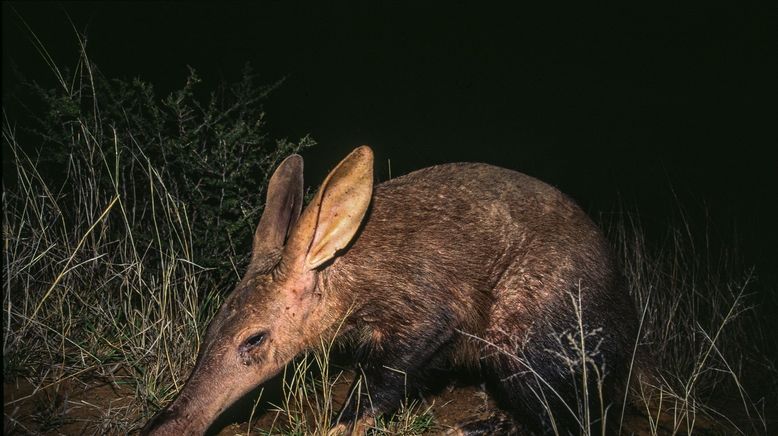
[{"x": 72, "y": 408}]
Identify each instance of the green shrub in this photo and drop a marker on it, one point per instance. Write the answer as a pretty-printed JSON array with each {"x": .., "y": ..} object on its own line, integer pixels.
[{"x": 212, "y": 151}]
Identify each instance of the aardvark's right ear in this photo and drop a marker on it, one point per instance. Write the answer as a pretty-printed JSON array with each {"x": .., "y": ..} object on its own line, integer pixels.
[
  {"x": 334, "y": 215},
  {"x": 282, "y": 207}
]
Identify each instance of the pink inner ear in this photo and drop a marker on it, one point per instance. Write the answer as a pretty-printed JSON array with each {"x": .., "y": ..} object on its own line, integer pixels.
[
  {"x": 344, "y": 205},
  {"x": 335, "y": 214}
]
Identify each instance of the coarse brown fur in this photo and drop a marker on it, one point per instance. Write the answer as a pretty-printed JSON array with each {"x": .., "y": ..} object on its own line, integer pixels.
[{"x": 458, "y": 264}]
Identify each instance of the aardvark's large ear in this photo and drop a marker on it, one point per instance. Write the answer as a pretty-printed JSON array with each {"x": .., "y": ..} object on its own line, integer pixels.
[
  {"x": 335, "y": 213},
  {"x": 282, "y": 207}
]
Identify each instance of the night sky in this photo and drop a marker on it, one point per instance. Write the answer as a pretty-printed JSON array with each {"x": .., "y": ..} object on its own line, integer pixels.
[{"x": 651, "y": 108}]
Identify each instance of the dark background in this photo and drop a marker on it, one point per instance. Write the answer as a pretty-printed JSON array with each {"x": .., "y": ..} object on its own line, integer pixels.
[{"x": 653, "y": 109}]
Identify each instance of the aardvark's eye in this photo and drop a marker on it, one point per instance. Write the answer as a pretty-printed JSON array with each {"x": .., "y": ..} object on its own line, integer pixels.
[{"x": 253, "y": 341}]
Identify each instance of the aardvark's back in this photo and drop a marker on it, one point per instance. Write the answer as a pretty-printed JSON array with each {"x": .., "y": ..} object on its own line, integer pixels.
[{"x": 483, "y": 265}]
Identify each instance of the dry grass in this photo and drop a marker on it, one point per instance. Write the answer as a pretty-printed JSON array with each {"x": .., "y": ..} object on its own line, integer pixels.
[{"x": 82, "y": 298}]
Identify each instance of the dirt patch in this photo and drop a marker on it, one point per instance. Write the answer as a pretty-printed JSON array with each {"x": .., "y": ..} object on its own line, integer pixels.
[
  {"x": 72, "y": 407},
  {"x": 67, "y": 407},
  {"x": 452, "y": 405},
  {"x": 459, "y": 402}
]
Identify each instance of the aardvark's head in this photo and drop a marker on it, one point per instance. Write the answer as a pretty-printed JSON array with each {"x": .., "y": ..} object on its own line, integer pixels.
[{"x": 276, "y": 311}]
